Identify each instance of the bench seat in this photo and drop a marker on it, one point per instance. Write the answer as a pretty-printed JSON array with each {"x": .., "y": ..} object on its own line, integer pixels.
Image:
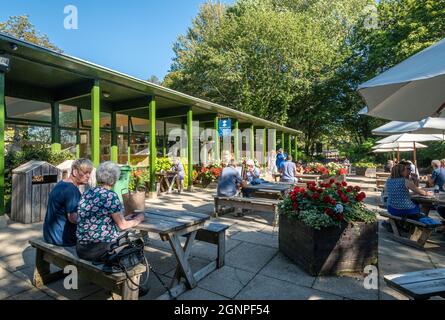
[
  {"x": 120, "y": 287},
  {"x": 417, "y": 238}
]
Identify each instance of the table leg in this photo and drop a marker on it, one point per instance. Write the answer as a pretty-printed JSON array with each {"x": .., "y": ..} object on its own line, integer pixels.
[{"x": 182, "y": 255}]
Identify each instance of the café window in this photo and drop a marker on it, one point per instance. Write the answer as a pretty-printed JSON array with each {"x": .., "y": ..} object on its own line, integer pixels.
[
  {"x": 121, "y": 123},
  {"x": 21, "y": 109},
  {"x": 86, "y": 117},
  {"x": 105, "y": 146},
  {"x": 18, "y": 137},
  {"x": 140, "y": 125},
  {"x": 68, "y": 140},
  {"x": 67, "y": 116},
  {"x": 122, "y": 147}
]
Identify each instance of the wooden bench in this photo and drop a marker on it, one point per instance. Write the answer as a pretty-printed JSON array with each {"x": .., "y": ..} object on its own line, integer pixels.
[
  {"x": 417, "y": 238},
  {"x": 254, "y": 204},
  {"x": 120, "y": 287},
  {"x": 214, "y": 233},
  {"x": 380, "y": 183},
  {"x": 419, "y": 285}
]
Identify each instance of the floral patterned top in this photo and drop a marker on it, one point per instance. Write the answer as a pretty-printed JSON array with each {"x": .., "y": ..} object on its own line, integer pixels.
[{"x": 94, "y": 221}]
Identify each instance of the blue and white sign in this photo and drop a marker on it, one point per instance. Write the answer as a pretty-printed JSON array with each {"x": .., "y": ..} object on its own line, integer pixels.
[{"x": 225, "y": 127}]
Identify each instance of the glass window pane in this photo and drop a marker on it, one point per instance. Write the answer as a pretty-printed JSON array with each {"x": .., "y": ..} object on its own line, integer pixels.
[
  {"x": 121, "y": 123},
  {"x": 105, "y": 146},
  {"x": 19, "y": 136},
  {"x": 67, "y": 116},
  {"x": 27, "y": 109},
  {"x": 139, "y": 124},
  {"x": 85, "y": 146},
  {"x": 105, "y": 118},
  {"x": 139, "y": 149},
  {"x": 68, "y": 140},
  {"x": 122, "y": 147}
]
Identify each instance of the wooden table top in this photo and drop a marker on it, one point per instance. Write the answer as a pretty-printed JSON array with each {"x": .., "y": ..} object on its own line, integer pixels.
[
  {"x": 282, "y": 187},
  {"x": 308, "y": 176},
  {"x": 164, "y": 222}
]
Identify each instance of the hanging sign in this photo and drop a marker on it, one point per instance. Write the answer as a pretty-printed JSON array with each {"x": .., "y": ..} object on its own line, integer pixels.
[{"x": 225, "y": 127}]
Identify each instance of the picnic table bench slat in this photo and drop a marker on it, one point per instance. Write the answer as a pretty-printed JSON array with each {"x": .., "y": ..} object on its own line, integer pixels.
[
  {"x": 417, "y": 276},
  {"x": 178, "y": 213}
]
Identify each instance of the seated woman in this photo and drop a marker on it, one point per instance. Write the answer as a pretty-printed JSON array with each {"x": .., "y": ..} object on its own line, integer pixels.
[
  {"x": 178, "y": 168},
  {"x": 397, "y": 189},
  {"x": 99, "y": 216}
]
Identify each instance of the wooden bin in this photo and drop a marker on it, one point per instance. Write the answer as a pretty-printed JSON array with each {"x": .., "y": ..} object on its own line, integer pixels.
[{"x": 31, "y": 184}]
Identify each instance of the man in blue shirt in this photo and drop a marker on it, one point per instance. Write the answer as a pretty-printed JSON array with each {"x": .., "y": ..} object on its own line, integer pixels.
[
  {"x": 60, "y": 223},
  {"x": 230, "y": 181},
  {"x": 438, "y": 176},
  {"x": 288, "y": 170},
  {"x": 281, "y": 158}
]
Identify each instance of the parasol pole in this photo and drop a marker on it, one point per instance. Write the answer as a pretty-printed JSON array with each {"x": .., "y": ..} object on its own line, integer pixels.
[{"x": 415, "y": 154}]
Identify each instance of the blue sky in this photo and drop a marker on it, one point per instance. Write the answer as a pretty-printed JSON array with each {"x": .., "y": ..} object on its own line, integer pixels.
[{"x": 132, "y": 36}]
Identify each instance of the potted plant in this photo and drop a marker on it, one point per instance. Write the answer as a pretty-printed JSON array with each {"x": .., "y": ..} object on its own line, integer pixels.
[
  {"x": 367, "y": 169},
  {"x": 327, "y": 229},
  {"x": 209, "y": 174}
]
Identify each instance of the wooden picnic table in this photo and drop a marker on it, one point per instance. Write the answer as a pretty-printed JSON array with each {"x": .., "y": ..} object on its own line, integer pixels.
[
  {"x": 267, "y": 189},
  {"x": 164, "y": 182},
  {"x": 432, "y": 200},
  {"x": 171, "y": 225}
]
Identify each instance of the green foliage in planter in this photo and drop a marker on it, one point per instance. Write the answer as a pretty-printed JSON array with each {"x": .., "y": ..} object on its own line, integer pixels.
[
  {"x": 163, "y": 164},
  {"x": 365, "y": 165}
]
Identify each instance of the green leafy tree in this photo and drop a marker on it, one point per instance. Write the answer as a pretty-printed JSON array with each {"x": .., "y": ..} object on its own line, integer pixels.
[{"x": 21, "y": 28}]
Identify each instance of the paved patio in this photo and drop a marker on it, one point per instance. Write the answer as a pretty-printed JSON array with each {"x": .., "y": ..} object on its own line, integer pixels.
[{"x": 254, "y": 267}]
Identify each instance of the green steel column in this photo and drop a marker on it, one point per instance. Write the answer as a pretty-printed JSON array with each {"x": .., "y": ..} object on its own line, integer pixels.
[
  {"x": 164, "y": 141},
  {"x": 152, "y": 132},
  {"x": 289, "y": 144},
  {"x": 78, "y": 135},
  {"x": 190, "y": 148},
  {"x": 252, "y": 142},
  {"x": 295, "y": 148},
  {"x": 2, "y": 143},
  {"x": 265, "y": 147},
  {"x": 129, "y": 141},
  {"x": 55, "y": 129},
  {"x": 236, "y": 140},
  {"x": 217, "y": 149},
  {"x": 282, "y": 141},
  {"x": 114, "y": 148},
  {"x": 95, "y": 126}
]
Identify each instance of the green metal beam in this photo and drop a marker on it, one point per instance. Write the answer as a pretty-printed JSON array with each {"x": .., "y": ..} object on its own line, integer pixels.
[
  {"x": 295, "y": 148},
  {"x": 289, "y": 144},
  {"x": 236, "y": 140},
  {"x": 152, "y": 132},
  {"x": 114, "y": 147},
  {"x": 95, "y": 124},
  {"x": 252, "y": 141},
  {"x": 190, "y": 148},
  {"x": 265, "y": 146},
  {"x": 2, "y": 143},
  {"x": 282, "y": 141},
  {"x": 55, "y": 128},
  {"x": 217, "y": 149}
]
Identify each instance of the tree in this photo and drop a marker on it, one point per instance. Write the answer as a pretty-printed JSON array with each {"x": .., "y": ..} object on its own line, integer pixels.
[
  {"x": 154, "y": 79},
  {"x": 21, "y": 28}
]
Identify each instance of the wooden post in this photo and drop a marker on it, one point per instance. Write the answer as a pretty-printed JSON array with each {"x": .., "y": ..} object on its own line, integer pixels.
[
  {"x": 190, "y": 148},
  {"x": 152, "y": 160},
  {"x": 114, "y": 148},
  {"x": 55, "y": 129},
  {"x": 2, "y": 143},
  {"x": 95, "y": 126}
]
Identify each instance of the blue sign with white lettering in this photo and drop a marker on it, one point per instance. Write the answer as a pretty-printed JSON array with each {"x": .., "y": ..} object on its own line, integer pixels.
[{"x": 225, "y": 127}]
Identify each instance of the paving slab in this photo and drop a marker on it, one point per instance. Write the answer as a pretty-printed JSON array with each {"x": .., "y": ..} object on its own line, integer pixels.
[
  {"x": 4, "y": 273},
  {"x": 85, "y": 289},
  {"x": 265, "y": 288},
  {"x": 196, "y": 263},
  {"x": 200, "y": 294},
  {"x": 250, "y": 257},
  {"x": 257, "y": 237},
  {"x": 348, "y": 287},
  {"x": 226, "y": 281},
  {"x": 32, "y": 294},
  {"x": 282, "y": 268},
  {"x": 162, "y": 261},
  {"x": 12, "y": 285},
  {"x": 25, "y": 259}
]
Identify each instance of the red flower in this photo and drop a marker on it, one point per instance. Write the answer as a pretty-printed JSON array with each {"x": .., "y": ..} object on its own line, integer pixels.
[
  {"x": 357, "y": 188},
  {"x": 333, "y": 202},
  {"x": 339, "y": 217},
  {"x": 329, "y": 211},
  {"x": 293, "y": 198},
  {"x": 295, "y": 205},
  {"x": 344, "y": 199},
  {"x": 297, "y": 189},
  {"x": 340, "y": 193},
  {"x": 349, "y": 189},
  {"x": 302, "y": 190},
  {"x": 344, "y": 184},
  {"x": 360, "y": 197},
  {"x": 316, "y": 196},
  {"x": 327, "y": 199},
  {"x": 332, "y": 181},
  {"x": 342, "y": 171}
]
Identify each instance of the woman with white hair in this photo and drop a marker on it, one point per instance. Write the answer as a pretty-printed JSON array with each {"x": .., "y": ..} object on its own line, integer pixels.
[{"x": 100, "y": 216}]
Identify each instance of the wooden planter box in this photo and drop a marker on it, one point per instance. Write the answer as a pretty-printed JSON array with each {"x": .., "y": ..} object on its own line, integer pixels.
[
  {"x": 329, "y": 251},
  {"x": 367, "y": 172}
]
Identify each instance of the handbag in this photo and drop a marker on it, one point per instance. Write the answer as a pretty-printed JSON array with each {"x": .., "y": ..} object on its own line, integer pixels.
[{"x": 134, "y": 200}]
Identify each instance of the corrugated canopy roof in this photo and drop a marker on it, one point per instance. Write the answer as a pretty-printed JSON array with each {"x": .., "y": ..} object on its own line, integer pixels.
[{"x": 42, "y": 74}]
